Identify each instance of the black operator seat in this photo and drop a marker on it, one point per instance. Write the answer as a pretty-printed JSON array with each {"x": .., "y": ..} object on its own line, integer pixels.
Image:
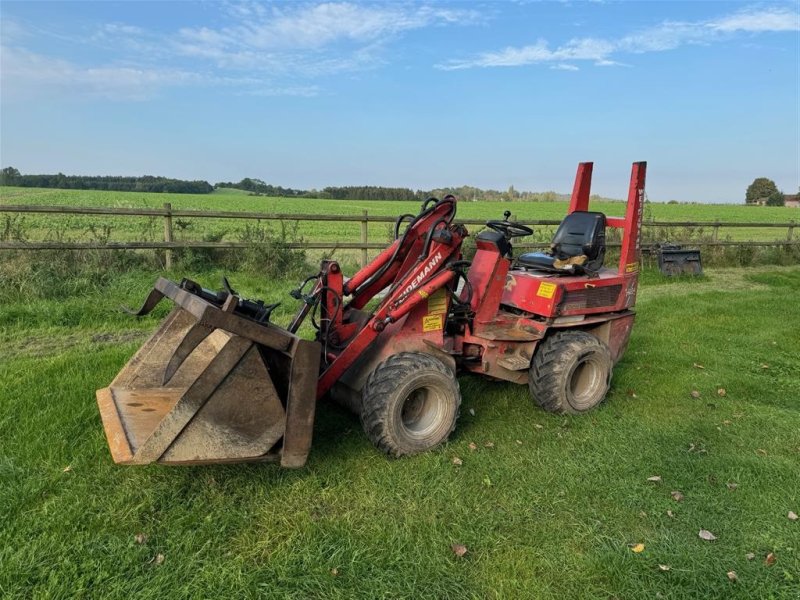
[{"x": 579, "y": 246}]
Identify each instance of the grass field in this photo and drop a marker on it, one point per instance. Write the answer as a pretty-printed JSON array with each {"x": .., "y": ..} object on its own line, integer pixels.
[
  {"x": 89, "y": 228},
  {"x": 551, "y": 510}
]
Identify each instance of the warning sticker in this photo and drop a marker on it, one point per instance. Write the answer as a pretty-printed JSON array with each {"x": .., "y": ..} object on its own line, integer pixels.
[
  {"x": 546, "y": 289},
  {"x": 432, "y": 322},
  {"x": 631, "y": 267},
  {"x": 437, "y": 303}
]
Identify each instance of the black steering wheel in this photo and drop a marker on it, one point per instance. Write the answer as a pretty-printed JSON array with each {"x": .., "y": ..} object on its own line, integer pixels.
[{"x": 509, "y": 229}]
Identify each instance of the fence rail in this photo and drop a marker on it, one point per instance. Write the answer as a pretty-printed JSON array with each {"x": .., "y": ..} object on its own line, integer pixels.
[{"x": 169, "y": 244}]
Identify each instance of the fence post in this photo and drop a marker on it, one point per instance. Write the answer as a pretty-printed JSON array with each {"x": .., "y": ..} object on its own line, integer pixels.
[
  {"x": 790, "y": 232},
  {"x": 364, "y": 229},
  {"x": 168, "y": 235},
  {"x": 715, "y": 233}
]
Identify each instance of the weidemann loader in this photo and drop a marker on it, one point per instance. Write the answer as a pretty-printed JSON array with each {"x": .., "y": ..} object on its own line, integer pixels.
[{"x": 218, "y": 382}]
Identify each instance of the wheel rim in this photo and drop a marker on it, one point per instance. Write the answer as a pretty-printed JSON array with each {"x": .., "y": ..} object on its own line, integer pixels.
[
  {"x": 422, "y": 412},
  {"x": 587, "y": 383}
]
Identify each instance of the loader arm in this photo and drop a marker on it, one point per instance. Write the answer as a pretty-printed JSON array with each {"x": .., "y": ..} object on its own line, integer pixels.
[{"x": 417, "y": 264}]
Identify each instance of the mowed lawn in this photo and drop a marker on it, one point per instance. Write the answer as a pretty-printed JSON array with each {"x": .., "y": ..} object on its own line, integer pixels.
[{"x": 547, "y": 506}]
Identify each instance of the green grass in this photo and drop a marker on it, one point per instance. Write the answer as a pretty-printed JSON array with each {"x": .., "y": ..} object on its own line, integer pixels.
[
  {"x": 142, "y": 228},
  {"x": 548, "y": 512}
]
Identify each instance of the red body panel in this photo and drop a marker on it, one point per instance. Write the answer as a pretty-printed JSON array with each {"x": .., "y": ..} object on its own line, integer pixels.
[{"x": 509, "y": 311}]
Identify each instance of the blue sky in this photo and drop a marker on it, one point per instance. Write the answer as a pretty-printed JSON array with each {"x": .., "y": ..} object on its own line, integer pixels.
[{"x": 416, "y": 94}]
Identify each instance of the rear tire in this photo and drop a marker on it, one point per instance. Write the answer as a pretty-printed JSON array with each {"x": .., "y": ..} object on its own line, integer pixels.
[
  {"x": 570, "y": 372},
  {"x": 410, "y": 403}
]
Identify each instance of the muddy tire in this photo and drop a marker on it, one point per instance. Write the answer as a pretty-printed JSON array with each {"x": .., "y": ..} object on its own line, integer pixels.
[
  {"x": 410, "y": 403},
  {"x": 570, "y": 372}
]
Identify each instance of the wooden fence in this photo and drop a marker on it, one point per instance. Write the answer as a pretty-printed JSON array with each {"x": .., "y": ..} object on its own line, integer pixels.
[{"x": 169, "y": 243}]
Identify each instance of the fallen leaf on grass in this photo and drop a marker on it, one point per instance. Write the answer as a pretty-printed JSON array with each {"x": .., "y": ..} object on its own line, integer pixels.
[
  {"x": 637, "y": 548},
  {"x": 538, "y": 426},
  {"x": 655, "y": 478},
  {"x": 695, "y": 394},
  {"x": 697, "y": 366},
  {"x": 334, "y": 571},
  {"x": 140, "y": 538},
  {"x": 632, "y": 394},
  {"x": 67, "y": 469},
  {"x": 732, "y": 575},
  {"x": 472, "y": 412},
  {"x": 764, "y": 366},
  {"x": 770, "y": 559},
  {"x": 761, "y": 452},
  {"x": 727, "y": 422},
  {"x": 642, "y": 514},
  {"x": 459, "y": 549},
  {"x": 792, "y": 516},
  {"x": 677, "y": 496},
  {"x": 749, "y": 556},
  {"x": 519, "y": 442},
  {"x": 457, "y": 461},
  {"x": 487, "y": 482},
  {"x": 488, "y": 444},
  {"x": 721, "y": 392},
  {"x": 663, "y": 567},
  {"x": 670, "y": 514},
  {"x": 157, "y": 559},
  {"x": 732, "y": 485},
  {"x": 473, "y": 446},
  {"x": 706, "y": 535}
]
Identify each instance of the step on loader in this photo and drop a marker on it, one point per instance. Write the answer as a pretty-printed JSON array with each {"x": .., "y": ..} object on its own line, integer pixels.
[{"x": 218, "y": 382}]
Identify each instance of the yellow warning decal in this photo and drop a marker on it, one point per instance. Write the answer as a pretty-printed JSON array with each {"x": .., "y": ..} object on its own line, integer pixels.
[
  {"x": 432, "y": 322},
  {"x": 631, "y": 267},
  {"x": 546, "y": 289},
  {"x": 437, "y": 303}
]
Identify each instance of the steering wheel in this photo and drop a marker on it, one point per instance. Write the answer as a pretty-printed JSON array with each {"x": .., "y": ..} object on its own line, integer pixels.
[{"x": 509, "y": 229}]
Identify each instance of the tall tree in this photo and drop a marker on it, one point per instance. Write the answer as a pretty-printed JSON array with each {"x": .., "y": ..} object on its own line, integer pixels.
[{"x": 761, "y": 189}]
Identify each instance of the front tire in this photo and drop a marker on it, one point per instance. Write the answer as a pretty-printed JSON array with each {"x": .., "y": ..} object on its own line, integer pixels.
[
  {"x": 410, "y": 403},
  {"x": 570, "y": 372}
]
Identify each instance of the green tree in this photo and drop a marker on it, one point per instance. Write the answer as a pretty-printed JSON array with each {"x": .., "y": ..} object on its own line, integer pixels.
[
  {"x": 760, "y": 189},
  {"x": 775, "y": 199},
  {"x": 9, "y": 176}
]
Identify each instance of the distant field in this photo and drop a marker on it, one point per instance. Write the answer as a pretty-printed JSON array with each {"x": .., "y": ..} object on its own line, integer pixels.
[{"x": 38, "y": 227}]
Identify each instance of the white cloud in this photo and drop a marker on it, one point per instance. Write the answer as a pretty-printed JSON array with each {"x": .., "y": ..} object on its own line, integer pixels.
[
  {"x": 298, "y": 38},
  {"x": 773, "y": 19},
  {"x": 25, "y": 73},
  {"x": 260, "y": 49},
  {"x": 665, "y": 36},
  {"x": 564, "y": 67}
]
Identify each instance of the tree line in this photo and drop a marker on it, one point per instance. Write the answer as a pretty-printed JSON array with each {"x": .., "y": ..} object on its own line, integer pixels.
[
  {"x": 145, "y": 183},
  {"x": 374, "y": 192},
  {"x": 148, "y": 183}
]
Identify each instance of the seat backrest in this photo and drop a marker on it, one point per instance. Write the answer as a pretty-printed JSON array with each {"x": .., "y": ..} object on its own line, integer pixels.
[{"x": 581, "y": 233}]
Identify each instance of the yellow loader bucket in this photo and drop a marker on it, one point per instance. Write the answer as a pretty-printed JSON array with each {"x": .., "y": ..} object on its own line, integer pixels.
[{"x": 214, "y": 384}]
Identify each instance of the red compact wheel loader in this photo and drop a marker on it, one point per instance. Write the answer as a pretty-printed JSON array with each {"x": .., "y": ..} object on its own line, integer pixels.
[{"x": 218, "y": 382}]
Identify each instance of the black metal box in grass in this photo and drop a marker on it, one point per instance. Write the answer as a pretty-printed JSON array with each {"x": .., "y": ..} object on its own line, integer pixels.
[{"x": 676, "y": 260}]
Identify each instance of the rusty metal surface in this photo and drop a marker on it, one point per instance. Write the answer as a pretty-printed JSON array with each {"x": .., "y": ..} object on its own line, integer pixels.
[
  {"x": 200, "y": 390},
  {"x": 299, "y": 411}
]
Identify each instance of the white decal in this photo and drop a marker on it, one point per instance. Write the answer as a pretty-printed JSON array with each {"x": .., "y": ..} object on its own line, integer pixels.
[{"x": 429, "y": 268}]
